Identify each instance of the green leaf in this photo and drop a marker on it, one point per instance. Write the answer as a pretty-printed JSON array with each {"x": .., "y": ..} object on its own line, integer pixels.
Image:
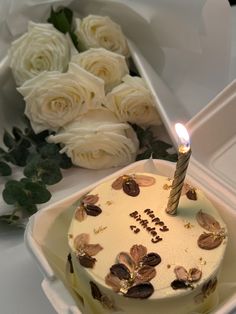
[
  {"x": 145, "y": 155},
  {"x": 37, "y": 193},
  {"x": 52, "y": 151},
  {"x": 59, "y": 20},
  {"x": 14, "y": 193},
  {"x": 160, "y": 146},
  {"x": 62, "y": 20},
  {"x": 48, "y": 150},
  {"x": 46, "y": 170},
  {"x": 8, "y": 140},
  {"x": 65, "y": 162},
  {"x": 18, "y": 156},
  {"x": 75, "y": 40},
  {"x": 50, "y": 172},
  {"x": 32, "y": 166},
  {"x": 5, "y": 169},
  {"x": 145, "y": 136}
]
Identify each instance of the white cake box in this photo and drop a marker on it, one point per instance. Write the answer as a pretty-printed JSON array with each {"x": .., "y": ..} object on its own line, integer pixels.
[{"x": 213, "y": 136}]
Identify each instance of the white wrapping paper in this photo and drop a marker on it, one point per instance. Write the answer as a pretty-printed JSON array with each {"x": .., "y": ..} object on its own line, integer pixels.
[{"x": 187, "y": 42}]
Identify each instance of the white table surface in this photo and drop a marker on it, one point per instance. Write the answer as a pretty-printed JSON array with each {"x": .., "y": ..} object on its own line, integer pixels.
[{"x": 20, "y": 278}]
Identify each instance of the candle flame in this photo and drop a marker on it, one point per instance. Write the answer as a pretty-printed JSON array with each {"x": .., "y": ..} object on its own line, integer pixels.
[{"x": 183, "y": 136}]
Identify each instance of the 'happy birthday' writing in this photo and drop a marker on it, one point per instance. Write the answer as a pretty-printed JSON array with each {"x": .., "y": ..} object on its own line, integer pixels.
[{"x": 149, "y": 225}]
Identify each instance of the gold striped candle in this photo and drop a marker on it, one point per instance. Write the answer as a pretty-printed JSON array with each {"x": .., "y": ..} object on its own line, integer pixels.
[{"x": 184, "y": 153}]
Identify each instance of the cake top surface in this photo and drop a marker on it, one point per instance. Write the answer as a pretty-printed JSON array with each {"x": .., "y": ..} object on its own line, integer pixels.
[{"x": 124, "y": 219}]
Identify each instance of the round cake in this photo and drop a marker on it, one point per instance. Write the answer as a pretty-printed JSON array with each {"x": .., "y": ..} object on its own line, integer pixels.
[{"x": 127, "y": 255}]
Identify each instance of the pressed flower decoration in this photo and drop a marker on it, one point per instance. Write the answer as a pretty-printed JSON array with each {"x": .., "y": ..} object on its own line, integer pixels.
[
  {"x": 132, "y": 273},
  {"x": 207, "y": 289},
  {"x": 185, "y": 279},
  {"x": 131, "y": 183},
  {"x": 216, "y": 234},
  {"x": 86, "y": 251},
  {"x": 87, "y": 207}
]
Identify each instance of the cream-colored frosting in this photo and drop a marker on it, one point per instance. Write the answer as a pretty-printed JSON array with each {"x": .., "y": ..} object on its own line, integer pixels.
[{"x": 178, "y": 247}]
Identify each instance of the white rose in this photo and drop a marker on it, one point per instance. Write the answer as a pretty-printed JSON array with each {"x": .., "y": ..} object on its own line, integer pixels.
[
  {"x": 97, "y": 141},
  {"x": 100, "y": 31},
  {"x": 109, "y": 66},
  {"x": 54, "y": 99},
  {"x": 42, "y": 48},
  {"x": 132, "y": 101}
]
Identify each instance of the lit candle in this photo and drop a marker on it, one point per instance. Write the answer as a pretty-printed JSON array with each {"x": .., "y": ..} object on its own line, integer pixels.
[{"x": 184, "y": 153}]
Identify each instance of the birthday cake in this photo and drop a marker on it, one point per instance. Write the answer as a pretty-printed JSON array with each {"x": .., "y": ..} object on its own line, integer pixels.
[{"x": 127, "y": 255}]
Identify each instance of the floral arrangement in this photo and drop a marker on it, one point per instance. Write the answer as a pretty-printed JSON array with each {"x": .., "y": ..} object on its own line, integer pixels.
[{"x": 84, "y": 106}]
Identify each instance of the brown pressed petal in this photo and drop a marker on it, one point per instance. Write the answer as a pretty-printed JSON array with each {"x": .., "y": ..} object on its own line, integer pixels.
[
  {"x": 144, "y": 181},
  {"x": 95, "y": 291},
  {"x": 138, "y": 252},
  {"x": 207, "y": 222},
  {"x": 92, "y": 249},
  {"x": 81, "y": 240},
  {"x": 130, "y": 187},
  {"x": 145, "y": 273},
  {"x": 151, "y": 259},
  {"x": 90, "y": 199},
  {"x": 181, "y": 273},
  {"x": 209, "y": 241},
  {"x": 120, "y": 271},
  {"x": 179, "y": 284},
  {"x": 191, "y": 195},
  {"x": 195, "y": 274},
  {"x": 113, "y": 281},
  {"x": 86, "y": 261},
  {"x": 107, "y": 302},
  {"x": 140, "y": 291},
  {"x": 92, "y": 210},
  {"x": 117, "y": 184},
  {"x": 125, "y": 258},
  {"x": 80, "y": 213}
]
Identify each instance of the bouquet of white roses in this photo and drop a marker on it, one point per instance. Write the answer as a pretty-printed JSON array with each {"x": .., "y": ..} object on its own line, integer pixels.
[{"x": 82, "y": 101}]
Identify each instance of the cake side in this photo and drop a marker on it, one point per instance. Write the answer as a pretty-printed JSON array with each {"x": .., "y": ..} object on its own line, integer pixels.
[{"x": 118, "y": 223}]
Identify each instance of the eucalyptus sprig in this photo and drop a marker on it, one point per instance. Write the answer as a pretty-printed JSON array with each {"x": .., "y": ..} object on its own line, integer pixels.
[
  {"x": 42, "y": 163},
  {"x": 62, "y": 20},
  {"x": 151, "y": 147}
]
